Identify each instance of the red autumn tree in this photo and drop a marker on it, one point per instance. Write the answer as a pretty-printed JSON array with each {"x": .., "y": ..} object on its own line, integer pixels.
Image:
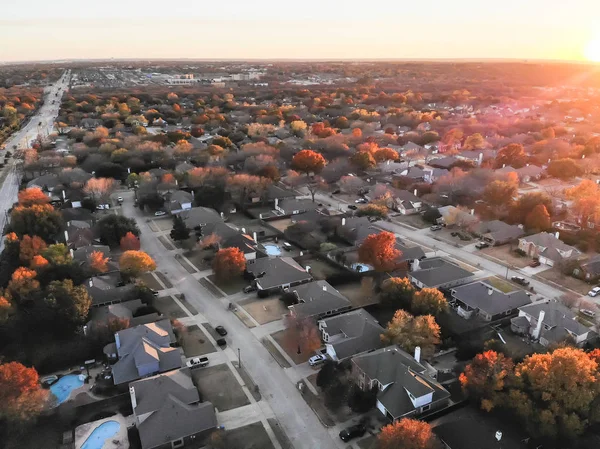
[
  {"x": 538, "y": 219},
  {"x": 30, "y": 247},
  {"x": 308, "y": 161},
  {"x": 406, "y": 434},
  {"x": 386, "y": 154},
  {"x": 31, "y": 196},
  {"x": 486, "y": 377},
  {"x": 301, "y": 334},
  {"x": 23, "y": 284},
  {"x": 21, "y": 395},
  {"x": 229, "y": 263},
  {"x": 379, "y": 251},
  {"x": 129, "y": 242},
  {"x": 363, "y": 160},
  {"x": 38, "y": 262},
  {"x": 98, "y": 262}
]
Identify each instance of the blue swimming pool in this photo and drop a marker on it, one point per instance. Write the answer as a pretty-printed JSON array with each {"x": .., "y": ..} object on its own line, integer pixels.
[
  {"x": 62, "y": 389},
  {"x": 360, "y": 267},
  {"x": 272, "y": 249},
  {"x": 100, "y": 434}
]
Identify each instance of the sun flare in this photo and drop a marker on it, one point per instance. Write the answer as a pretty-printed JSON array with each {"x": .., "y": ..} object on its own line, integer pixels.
[{"x": 592, "y": 51}]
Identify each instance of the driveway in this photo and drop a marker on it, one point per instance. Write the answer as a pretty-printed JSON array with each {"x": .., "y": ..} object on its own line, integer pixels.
[{"x": 297, "y": 419}]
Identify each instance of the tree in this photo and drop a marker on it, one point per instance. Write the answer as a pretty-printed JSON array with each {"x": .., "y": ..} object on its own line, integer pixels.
[
  {"x": 429, "y": 301},
  {"x": 31, "y": 196},
  {"x": 538, "y": 219},
  {"x": 372, "y": 210},
  {"x": 499, "y": 193},
  {"x": 486, "y": 378},
  {"x": 113, "y": 228},
  {"x": 58, "y": 254},
  {"x": 564, "y": 168},
  {"x": 242, "y": 186},
  {"x": 38, "y": 262},
  {"x": 133, "y": 263},
  {"x": 526, "y": 203},
  {"x": 180, "y": 231},
  {"x": 408, "y": 332},
  {"x": 129, "y": 242},
  {"x": 363, "y": 160},
  {"x": 23, "y": 285},
  {"x": 30, "y": 247},
  {"x": 512, "y": 154},
  {"x": 308, "y": 161},
  {"x": 397, "y": 291},
  {"x": 555, "y": 393},
  {"x": 39, "y": 219},
  {"x": 70, "y": 302},
  {"x": 302, "y": 332},
  {"x": 379, "y": 251},
  {"x": 406, "y": 434},
  {"x": 21, "y": 396},
  {"x": 99, "y": 188},
  {"x": 228, "y": 263},
  {"x": 98, "y": 262},
  {"x": 351, "y": 184},
  {"x": 386, "y": 154},
  {"x": 474, "y": 142}
]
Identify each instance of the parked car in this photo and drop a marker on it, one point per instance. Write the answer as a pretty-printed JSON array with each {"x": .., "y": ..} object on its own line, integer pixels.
[
  {"x": 352, "y": 206},
  {"x": 587, "y": 312},
  {"x": 355, "y": 431},
  {"x": 535, "y": 263},
  {"x": 594, "y": 292},
  {"x": 120, "y": 200},
  {"x": 361, "y": 201},
  {"x": 197, "y": 362},
  {"x": 317, "y": 359},
  {"x": 435, "y": 228},
  {"x": 249, "y": 288},
  {"x": 159, "y": 213},
  {"x": 221, "y": 342},
  {"x": 482, "y": 245},
  {"x": 287, "y": 246},
  {"x": 520, "y": 280},
  {"x": 454, "y": 233},
  {"x": 221, "y": 331},
  {"x": 154, "y": 292},
  {"x": 336, "y": 192}
]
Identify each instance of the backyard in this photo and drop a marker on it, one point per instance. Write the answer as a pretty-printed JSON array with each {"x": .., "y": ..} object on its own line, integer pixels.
[{"x": 264, "y": 310}]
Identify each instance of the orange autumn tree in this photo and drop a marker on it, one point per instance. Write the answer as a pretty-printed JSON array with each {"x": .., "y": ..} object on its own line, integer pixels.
[
  {"x": 485, "y": 378},
  {"x": 228, "y": 263},
  {"x": 386, "y": 154},
  {"x": 134, "y": 263},
  {"x": 38, "y": 262},
  {"x": 308, "y": 161},
  {"x": 21, "y": 395},
  {"x": 31, "y": 196},
  {"x": 407, "y": 434},
  {"x": 98, "y": 262},
  {"x": 5, "y": 308},
  {"x": 30, "y": 247},
  {"x": 408, "y": 332},
  {"x": 429, "y": 301},
  {"x": 129, "y": 242},
  {"x": 379, "y": 251},
  {"x": 23, "y": 284},
  {"x": 301, "y": 334}
]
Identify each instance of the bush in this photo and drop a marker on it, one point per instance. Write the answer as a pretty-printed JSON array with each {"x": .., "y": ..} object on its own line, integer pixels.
[{"x": 362, "y": 401}]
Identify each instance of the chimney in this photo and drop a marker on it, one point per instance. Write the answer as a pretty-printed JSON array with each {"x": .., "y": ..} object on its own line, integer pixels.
[
  {"x": 72, "y": 252},
  {"x": 480, "y": 159},
  {"x": 67, "y": 237},
  {"x": 498, "y": 435},
  {"x": 324, "y": 287},
  {"x": 538, "y": 327},
  {"x": 418, "y": 354},
  {"x": 343, "y": 221},
  {"x": 276, "y": 202},
  {"x": 244, "y": 230},
  {"x": 503, "y": 165},
  {"x": 133, "y": 399},
  {"x": 91, "y": 283},
  {"x": 254, "y": 237},
  {"x": 192, "y": 194},
  {"x": 64, "y": 195},
  {"x": 307, "y": 268},
  {"x": 556, "y": 235},
  {"x": 472, "y": 211},
  {"x": 416, "y": 265},
  {"x": 222, "y": 215},
  {"x": 415, "y": 192},
  {"x": 526, "y": 165},
  {"x": 490, "y": 291}
]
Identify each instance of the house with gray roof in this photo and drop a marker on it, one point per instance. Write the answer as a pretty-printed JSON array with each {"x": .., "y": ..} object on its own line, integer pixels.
[
  {"x": 350, "y": 334},
  {"x": 47, "y": 182},
  {"x": 143, "y": 351},
  {"x": 125, "y": 311},
  {"x": 404, "y": 386},
  {"x": 178, "y": 201},
  {"x": 548, "y": 248},
  {"x": 480, "y": 299},
  {"x": 108, "y": 288},
  {"x": 550, "y": 322},
  {"x": 203, "y": 218},
  {"x": 168, "y": 412},
  {"x": 497, "y": 232},
  {"x": 588, "y": 270},
  {"x": 438, "y": 272},
  {"x": 293, "y": 206},
  {"x": 276, "y": 273},
  {"x": 317, "y": 300}
]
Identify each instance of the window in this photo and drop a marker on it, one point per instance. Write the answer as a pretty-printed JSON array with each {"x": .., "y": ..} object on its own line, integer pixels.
[
  {"x": 177, "y": 443},
  {"x": 425, "y": 407}
]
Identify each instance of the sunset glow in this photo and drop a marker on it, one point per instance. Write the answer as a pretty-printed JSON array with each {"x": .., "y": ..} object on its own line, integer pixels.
[{"x": 592, "y": 51}]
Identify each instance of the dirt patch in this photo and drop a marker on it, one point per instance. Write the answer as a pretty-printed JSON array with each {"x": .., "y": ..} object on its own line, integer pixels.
[
  {"x": 211, "y": 288},
  {"x": 164, "y": 279},
  {"x": 416, "y": 221},
  {"x": 281, "y": 225},
  {"x": 506, "y": 255},
  {"x": 196, "y": 258},
  {"x": 360, "y": 294},
  {"x": 190, "y": 269},
  {"x": 150, "y": 281},
  {"x": 218, "y": 385},
  {"x": 195, "y": 342},
  {"x": 320, "y": 269},
  {"x": 500, "y": 284},
  {"x": 564, "y": 281},
  {"x": 231, "y": 287},
  {"x": 166, "y": 242},
  {"x": 269, "y": 346},
  {"x": 252, "y": 436},
  {"x": 168, "y": 307},
  {"x": 264, "y": 310},
  {"x": 186, "y": 304},
  {"x": 290, "y": 348},
  {"x": 164, "y": 224}
]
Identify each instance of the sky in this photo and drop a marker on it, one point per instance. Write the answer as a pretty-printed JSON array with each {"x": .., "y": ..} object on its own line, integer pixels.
[{"x": 307, "y": 29}]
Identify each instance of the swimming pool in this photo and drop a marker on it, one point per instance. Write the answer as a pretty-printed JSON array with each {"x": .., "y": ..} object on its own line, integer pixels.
[
  {"x": 360, "y": 267},
  {"x": 272, "y": 249},
  {"x": 100, "y": 434},
  {"x": 65, "y": 385}
]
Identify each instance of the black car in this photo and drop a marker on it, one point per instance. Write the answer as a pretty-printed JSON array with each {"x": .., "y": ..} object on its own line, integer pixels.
[
  {"x": 355, "y": 431},
  {"x": 352, "y": 206},
  {"x": 221, "y": 342},
  {"x": 520, "y": 280},
  {"x": 221, "y": 331}
]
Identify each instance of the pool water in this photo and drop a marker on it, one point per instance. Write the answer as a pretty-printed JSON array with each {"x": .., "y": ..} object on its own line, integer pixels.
[
  {"x": 272, "y": 250},
  {"x": 100, "y": 434},
  {"x": 65, "y": 385},
  {"x": 360, "y": 267}
]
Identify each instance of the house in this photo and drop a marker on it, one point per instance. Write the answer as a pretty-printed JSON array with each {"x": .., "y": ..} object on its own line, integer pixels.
[
  {"x": 168, "y": 412},
  {"x": 438, "y": 273},
  {"x": 411, "y": 148},
  {"x": 588, "y": 270},
  {"x": 201, "y": 217},
  {"x": 446, "y": 162},
  {"x": 350, "y": 334},
  {"x": 82, "y": 254},
  {"x": 244, "y": 243},
  {"x": 404, "y": 386},
  {"x": 405, "y": 202},
  {"x": 274, "y": 192},
  {"x": 91, "y": 123},
  {"x": 184, "y": 167},
  {"x": 550, "y": 322},
  {"x": 527, "y": 173},
  {"x": 47, "y": 182},
  {"x": 317, "y": 300},
  {"x": 178, "y": 201},
  {"x": 497, "y": 232},
  {"x": 487, "y": 302},
  {"x": 548, "y": 248},
  {"x": 108, "y": 288},
  {"x": 143, "y": 351},
  {"x": 453, "y": 216},
  {"x": 276, "y": 273},
  {"x": 124, "y": 311},
  {"x": 293, "y": 206}
]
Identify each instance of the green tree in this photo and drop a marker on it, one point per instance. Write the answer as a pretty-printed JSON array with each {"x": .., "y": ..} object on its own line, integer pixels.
[
  {"x": 180, "y": 231},
  {"x": 57, "y": 254},
  {"x": 113, "y": 228},
  {"x": 363, "y": 160},
  {"x": 72, "y": 303},
  {"x": 429, "y": 301},
  {"x": 39, "y": 219}
]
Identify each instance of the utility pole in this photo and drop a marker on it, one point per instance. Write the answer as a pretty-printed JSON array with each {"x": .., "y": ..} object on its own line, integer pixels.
[{"x": 239, "y": 359}]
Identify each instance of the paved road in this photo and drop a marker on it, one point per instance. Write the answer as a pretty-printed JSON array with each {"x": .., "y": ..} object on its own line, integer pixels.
[{"x": 297, "y": 419}]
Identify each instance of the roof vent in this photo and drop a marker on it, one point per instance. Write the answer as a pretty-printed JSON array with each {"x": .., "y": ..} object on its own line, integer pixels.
[
  {"x": 324, "y": 288},
  {"x": 490, "y": 291},
  {"x": 498, "y": 435}
]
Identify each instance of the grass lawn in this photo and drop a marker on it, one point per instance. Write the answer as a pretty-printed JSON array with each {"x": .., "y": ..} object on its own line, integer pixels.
[
  {"x": 164, "y": 279},
  {"x": 264, "y": 310},
  {"x": 501, "y": 284},
  {"x": 555, "y": 275},
  {"x": 218, "y": 385},
  {"x": 358, "y": 294},
  {"x": 507, "y": 256},
  {"x": 163, "y": 224},
  {"x": 195, "y": 343},
  {"x": 252, "y": 436},
  {"x": 166, "y": 242},
  {"x": 320, "y": 269},
  {"x": 187, "y": 305},
  {"x": 197, "y": 259},
  {"x": 290, "y": 348},
  {"x": 231, "y": 286},
  {"x": 150, "y": 281},
  {"x": 168, "y": 307}
]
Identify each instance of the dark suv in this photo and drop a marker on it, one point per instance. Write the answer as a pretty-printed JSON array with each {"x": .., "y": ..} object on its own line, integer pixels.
[{"x": 355, "y": 431}]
